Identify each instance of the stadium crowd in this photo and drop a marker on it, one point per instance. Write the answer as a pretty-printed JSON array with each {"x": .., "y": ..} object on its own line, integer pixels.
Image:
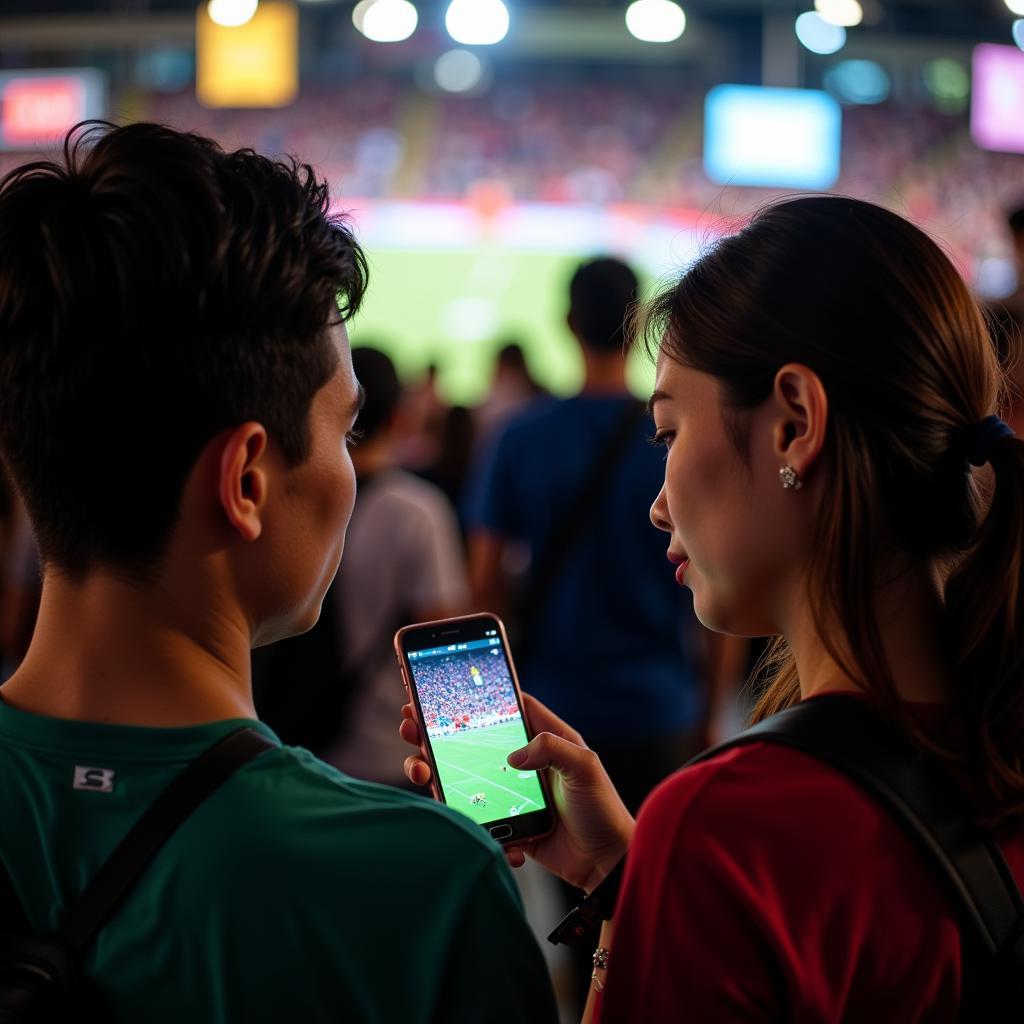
[
  {"x": 455, "y": 694},
  {"x": 600, "y": 143}
]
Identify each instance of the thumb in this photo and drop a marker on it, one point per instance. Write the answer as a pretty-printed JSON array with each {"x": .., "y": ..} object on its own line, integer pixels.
[{"x": 545, "y": 750}]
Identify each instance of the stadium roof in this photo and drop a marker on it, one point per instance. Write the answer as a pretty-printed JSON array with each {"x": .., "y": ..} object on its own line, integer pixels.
[{"x": 968, "y": 20}]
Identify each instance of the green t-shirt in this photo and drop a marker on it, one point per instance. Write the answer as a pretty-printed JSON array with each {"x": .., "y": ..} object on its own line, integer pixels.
[{"x": 293, "y": 893}]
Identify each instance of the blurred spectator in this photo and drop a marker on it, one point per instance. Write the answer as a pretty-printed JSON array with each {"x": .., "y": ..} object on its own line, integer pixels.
[
  {"x": 403, "y": 563},
  {"x": 605, "y": 637},
  {"x": 424, "y": 412},
  {"x": 512, "y": 388},
  {"x": 455, "y": 449}
]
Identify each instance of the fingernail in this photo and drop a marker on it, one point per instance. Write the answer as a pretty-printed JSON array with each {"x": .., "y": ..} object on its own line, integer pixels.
[{"x": 517, "y": 757}]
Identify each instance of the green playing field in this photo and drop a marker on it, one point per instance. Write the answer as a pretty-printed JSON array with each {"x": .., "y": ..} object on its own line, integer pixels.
[
  {"x": 472, "y": 763},
  {"x": 418, "y": 304}
]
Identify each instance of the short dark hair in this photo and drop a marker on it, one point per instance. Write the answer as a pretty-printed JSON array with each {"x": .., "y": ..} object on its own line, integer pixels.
[
  {"x": 381, "y": 387},
  {"x": 602, "y": 294},
  {"x": 155, "y": 290}
]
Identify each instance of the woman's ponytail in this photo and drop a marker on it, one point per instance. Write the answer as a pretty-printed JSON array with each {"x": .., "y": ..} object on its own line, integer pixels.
[{"x": 985, "y": 630}]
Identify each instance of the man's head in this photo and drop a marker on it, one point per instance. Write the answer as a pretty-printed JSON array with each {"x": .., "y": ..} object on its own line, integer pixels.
[
  {"x": 602, "y": 293},
  {"x": 157, "y": 296},
  {"x": 379, "y": 379}
]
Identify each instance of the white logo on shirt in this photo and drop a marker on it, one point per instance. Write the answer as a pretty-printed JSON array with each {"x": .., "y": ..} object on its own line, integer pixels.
[{"x": 99, "y": 780}]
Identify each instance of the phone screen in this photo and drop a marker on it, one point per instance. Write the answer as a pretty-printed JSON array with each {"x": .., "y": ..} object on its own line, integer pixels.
[{"x": 473, "y": 721}]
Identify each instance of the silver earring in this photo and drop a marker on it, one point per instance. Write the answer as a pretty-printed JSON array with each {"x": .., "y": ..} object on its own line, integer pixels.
[{"x": 790, "y": 481}]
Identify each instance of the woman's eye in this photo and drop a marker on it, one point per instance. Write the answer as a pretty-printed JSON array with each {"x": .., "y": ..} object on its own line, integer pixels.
[{"x": 663, "y": 438}]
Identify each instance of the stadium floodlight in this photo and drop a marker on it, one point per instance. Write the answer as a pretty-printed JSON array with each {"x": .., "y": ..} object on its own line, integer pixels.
[
  {"x": 458, "y": 71},
  {"x": 386, "y": 21},
  {"x": 477, "y": 22},
  {"x": 819, "y": 35},
  {"x": 359, "y": 12},
  {"x": 1018, "y": 32},
  {"x": 840, "y": 12},
  {"x": 655, "y": 21},
  {"x": 1016, "y": 6},
  {"x": 231, "y": 13}
]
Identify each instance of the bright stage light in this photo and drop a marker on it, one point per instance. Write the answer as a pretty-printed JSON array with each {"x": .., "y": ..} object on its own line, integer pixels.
[
  {"x": 1018, "y": 32},
  {"x": 386, "y": 21},
  {"x": 840, "y": 12},
  {"x": 819, "y": 35},
  {"x": 231, "y": 13},
  {"x": 655, "y": 21},
  {"x": 1016, "y": 6},
  {"x": 477, "y": 22}
]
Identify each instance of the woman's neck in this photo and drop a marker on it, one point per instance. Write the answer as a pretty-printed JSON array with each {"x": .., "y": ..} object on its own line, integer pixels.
[{"x": 909, "y": 612}]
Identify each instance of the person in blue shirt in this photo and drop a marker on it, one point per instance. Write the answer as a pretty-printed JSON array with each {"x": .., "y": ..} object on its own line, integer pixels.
[{"x": 611, "y": 643}]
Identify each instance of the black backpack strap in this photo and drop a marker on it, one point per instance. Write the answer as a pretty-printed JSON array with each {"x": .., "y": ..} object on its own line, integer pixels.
[
  {"x": 570, "y": 525},
  {"x": 842, "y": 730},
  {"x": 12, "y": 914},
  {"x": 181, "y": 797}
]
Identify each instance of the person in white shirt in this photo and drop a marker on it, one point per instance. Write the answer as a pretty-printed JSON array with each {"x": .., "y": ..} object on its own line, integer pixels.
[{"x": 405, "y": 564}]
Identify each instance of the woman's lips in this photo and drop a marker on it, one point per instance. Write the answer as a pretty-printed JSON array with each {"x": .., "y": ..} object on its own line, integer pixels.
[{"x": 681, "y": 562}]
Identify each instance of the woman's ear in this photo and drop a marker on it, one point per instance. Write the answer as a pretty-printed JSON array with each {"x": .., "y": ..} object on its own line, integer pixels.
[
  {"x": 802, "y": 404},
  {"x": 242, "y": 486}
]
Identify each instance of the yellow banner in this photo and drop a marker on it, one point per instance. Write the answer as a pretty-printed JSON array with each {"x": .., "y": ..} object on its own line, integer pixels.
[{"x": 251, "y": 65}]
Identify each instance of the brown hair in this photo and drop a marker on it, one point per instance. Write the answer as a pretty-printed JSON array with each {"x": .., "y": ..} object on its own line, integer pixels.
[{"x": 874, "y": 307}]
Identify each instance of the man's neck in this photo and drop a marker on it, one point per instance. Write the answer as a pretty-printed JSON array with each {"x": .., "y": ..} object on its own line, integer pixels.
[
  {"x": 106, "y": 650},
  {"x": 604, "y": 373}
]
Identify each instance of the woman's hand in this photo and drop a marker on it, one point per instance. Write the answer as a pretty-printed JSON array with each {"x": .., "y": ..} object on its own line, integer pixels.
[{"x": 593, "y": 829}]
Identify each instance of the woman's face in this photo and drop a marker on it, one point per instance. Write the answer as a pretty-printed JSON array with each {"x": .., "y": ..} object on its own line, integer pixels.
[{"x": 734, "y": 530}]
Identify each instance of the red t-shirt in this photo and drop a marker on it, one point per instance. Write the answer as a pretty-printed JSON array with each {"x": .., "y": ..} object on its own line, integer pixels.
[{"x": 763, "y": 885}]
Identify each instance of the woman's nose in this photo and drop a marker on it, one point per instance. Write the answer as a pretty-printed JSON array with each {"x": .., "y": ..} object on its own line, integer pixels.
[{"x": 659, "y": 512}]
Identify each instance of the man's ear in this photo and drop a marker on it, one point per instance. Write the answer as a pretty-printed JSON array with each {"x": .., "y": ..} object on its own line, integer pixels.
[
  {"x": 242, "y": 486},
  {"x": 799, "y": 432}
]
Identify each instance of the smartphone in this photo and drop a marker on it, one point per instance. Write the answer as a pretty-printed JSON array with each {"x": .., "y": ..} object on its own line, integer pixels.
[{"x": 462, "y": 683}]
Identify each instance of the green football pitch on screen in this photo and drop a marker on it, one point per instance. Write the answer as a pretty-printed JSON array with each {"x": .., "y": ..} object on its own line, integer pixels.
[
  {"x": 457, "y": 307},
  {"x": 477, "y": 779}
]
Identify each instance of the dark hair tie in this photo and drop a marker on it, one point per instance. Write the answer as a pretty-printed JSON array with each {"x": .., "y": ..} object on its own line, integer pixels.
[{"x": 982, "y": 438}]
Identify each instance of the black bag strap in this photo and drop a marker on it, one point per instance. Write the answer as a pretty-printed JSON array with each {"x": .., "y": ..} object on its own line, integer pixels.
[
  {"x": 159, "y": 821},
  {"x": 12, "y": 914},
  {"x": 570, "y": 525},
  {"x": 843, "y": 731}
]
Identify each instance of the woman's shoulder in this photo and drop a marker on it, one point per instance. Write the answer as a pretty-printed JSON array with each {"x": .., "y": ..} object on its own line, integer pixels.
[{"x": 767, "y": 798}]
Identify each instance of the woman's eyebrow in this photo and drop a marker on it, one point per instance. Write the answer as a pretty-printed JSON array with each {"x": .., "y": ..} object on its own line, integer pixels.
[{"x": 658, "y": 396}]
